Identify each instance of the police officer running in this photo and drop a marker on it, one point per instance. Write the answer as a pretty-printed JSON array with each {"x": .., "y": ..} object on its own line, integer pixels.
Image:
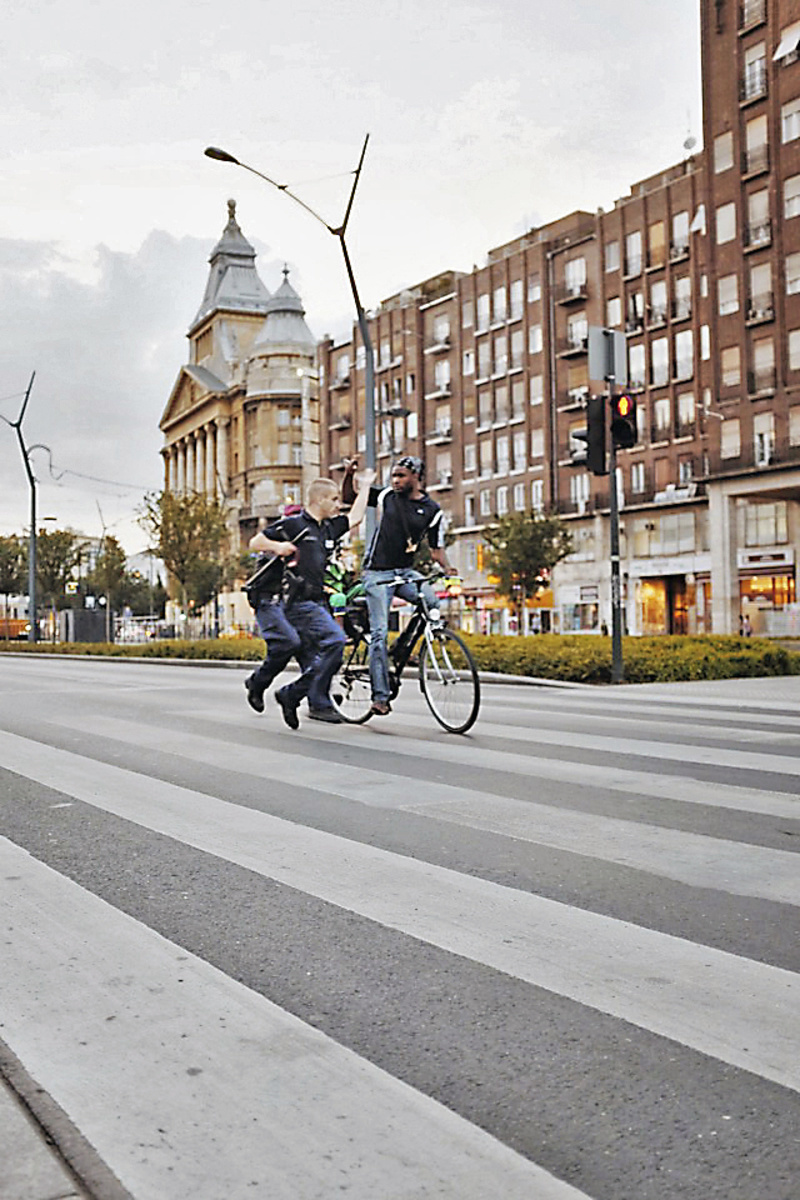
[{"x": 312, "y": 537}]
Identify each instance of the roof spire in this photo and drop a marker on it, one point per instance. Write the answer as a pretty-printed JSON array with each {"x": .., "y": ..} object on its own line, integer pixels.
[{"x": 233, "y": 282}]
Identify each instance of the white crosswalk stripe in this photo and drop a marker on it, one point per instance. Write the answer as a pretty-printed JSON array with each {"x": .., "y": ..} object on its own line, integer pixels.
[{"x": 190, "y": 1075}]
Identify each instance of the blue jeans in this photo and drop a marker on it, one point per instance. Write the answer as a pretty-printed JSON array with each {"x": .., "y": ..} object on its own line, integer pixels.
[
  {"x": 283, "y": 644},
  {"x": 322, "y": 646},
  {"x": 379, "y": 596}
]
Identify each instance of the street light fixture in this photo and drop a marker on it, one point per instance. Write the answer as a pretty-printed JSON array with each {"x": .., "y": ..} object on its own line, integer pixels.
[{"x": 338, "y": 232}]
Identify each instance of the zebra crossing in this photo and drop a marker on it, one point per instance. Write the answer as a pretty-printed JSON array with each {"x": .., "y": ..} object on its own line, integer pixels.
[{"x": 555, "y": 959}]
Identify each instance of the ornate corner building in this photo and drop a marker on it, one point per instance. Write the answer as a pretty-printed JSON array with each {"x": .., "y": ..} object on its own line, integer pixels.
[
  {"x": 242, "y": 422},
  {"x": 485, "y": 374}
]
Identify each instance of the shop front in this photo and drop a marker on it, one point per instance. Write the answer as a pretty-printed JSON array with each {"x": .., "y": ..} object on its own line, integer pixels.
[
  {"x": 766, "y": 585},
  {"x": 671, "y": 596}
]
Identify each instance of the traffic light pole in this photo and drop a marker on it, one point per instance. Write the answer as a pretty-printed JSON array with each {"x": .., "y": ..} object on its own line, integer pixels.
[{"x": 616, "y": 590}]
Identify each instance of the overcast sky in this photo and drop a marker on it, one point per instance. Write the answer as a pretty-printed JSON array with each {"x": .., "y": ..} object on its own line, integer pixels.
[{"x": 484, "y": 119}]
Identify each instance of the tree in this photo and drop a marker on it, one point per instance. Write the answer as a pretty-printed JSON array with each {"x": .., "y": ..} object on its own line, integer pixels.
[
  {"x": 13, "y": 568},
  {"x": 523, "y": 549},
  {"x": 107, "y": 576},
  {"x": 190, "y": 535},
  {"x": 57, "y": 556}
]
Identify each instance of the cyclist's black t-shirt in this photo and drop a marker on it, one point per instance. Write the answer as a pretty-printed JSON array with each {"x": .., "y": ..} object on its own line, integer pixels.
[
  {"x": 314, "y": 549},
  {"x": 389, "y": 549}
]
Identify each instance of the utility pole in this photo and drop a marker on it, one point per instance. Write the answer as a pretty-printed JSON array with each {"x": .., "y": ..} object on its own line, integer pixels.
[{"x": 17, "y": 427}]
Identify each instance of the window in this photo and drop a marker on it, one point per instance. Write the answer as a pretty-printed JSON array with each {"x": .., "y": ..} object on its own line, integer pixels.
[
  {"x": 794, "y": 350},
  {"x": 658, "y": 302},
  {"x": 685, "y": 413},
  {"x": 684, "y": 354},
  {"x": 537, "y": 443},
  {"x": 484, "y": 359},
  {"x": 441, "y": 330},
  {"x": 758, "y": 229},
  {"x": 577, "y": 330},
  {"x": 637, "y": 477},
  {"x": 411, "y": 383},
  {"x": 730, "y": 367},
  {"x": 579, "y": 491},
  {"x": 612, "y": 256},
  {"x": 537, "y": 495},
  {"x": 728, "y": 292},
  {"x": 763, "y": 441},
  {"x": 705, "y": 343},
  {"x": 519, "y": 497},
  {"x": 659, "y": 361},
  {"x": 723, "y": 153},
  {"x": 469, "y": 510},
  {"x": 519, "y": 450},
  {"x": 517, "y": 349},
  {"x": 500, "y": 309},
  {"x": 791, "y": 197},
  {"x": 483, "y": 311},
  {"x": 635, "y": 318},
  {"x": 685, "y": 471},
  {"x": 518, "y": 399},
  {"x": 754, "y": 82},
  {"x": 467, "y": 314},
  {"x": 760, "y": 290},
  {"x": 790, "y": 120},
  {"x": 502, "y": 455},
  {"x": 487, "y": 459},
  {"x": 412, "y": 426},
  {"x": 633, "y": 253},
  {"x": 516, "y": 299},
  {"x": 501, "y": 404},
  {"x": 788, "y": 45},
  {"x": 662, "y": 417},
  {"x": 680, "y": 231},
  {"x": 763, "y": 365},
  {"x": 682, "y": 307},
  {"x": 794, "y": 426},
  {"x": 636, "y": 367},
  {"x": 502, "y": 501},
  {"x": 730, "y": 443},
  {"x": 726, "y": 223},
  {"x": 656, "y": 242},
  {"x": 537, "y": 389},
  {"x": 756, "y": 147},
  {"x": 765, "y": 523},
  {"x": 385, "y": 352},
  {"x": 441, "y": 375},
  {"x": 578, "y": 380},
  {"x": 534, "y": 339},
  {"x": 485, "y": 409},
  {"x": 575, "y": 276},
  {"x": 613, "y": 312},
  {"x": 534, "y": 288},
  {"x": 486, "y": 503},
  {"x": 500, "y": 354},
  {"x": 792, "y": 274},
  {"x": 468, "y": 366}
]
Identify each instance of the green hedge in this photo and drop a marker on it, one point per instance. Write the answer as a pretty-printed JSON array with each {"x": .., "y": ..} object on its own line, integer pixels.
[{"x": 578, "y": 659}]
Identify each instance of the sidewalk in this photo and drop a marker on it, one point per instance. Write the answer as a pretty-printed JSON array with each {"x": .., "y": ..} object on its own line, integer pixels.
[{"x": 31, "y": 1169}]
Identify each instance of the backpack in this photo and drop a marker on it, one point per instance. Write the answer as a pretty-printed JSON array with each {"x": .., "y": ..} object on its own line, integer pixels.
[{"x": 266, "y": 580}]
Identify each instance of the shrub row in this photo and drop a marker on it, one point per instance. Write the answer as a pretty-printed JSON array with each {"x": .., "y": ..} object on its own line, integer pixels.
[{"x": 546, "y": 656}]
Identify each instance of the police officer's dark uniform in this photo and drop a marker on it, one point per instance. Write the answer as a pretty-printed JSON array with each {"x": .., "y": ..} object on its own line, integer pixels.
[{"x": 307, "y": 612}]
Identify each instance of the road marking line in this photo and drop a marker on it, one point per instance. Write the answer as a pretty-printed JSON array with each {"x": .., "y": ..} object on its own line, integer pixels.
[{"x": 737, "y": 1010}]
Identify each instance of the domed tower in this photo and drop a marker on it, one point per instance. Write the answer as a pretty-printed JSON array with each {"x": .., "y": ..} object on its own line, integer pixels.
[{"x": 281, "y": 396}]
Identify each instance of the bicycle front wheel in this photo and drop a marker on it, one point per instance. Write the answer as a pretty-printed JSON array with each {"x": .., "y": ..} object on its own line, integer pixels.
[
  {"x": 449, "y": 681},
  {"x": 351, "y": 690}
]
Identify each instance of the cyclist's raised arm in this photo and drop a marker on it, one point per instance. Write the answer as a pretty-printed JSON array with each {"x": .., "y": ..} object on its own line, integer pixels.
[{"x": 359, "y": 507}]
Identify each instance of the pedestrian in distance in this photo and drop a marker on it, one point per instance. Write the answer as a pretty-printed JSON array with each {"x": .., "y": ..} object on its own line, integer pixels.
[
  {"x": 312, "y": 536},
  {"x": 405, "y": 515}
]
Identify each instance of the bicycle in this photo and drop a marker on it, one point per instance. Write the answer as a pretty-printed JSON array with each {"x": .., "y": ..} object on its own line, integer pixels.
[{"x": 448, "y": 678}]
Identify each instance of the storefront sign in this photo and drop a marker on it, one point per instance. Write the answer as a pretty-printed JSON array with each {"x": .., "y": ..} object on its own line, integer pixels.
[{"x": 764, "y": 560}]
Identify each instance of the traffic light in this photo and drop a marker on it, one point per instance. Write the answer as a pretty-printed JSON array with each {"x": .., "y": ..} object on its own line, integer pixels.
[
  {"x": 623, "y": 421},
  {"x": 594, "y": 435}
]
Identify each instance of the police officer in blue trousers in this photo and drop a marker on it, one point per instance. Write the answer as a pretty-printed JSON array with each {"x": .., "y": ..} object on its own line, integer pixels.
[{"x": 304, "y": 615}]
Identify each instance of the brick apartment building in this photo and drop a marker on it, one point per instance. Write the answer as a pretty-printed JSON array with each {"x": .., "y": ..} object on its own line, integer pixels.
[{"x": 485, "y": 374}]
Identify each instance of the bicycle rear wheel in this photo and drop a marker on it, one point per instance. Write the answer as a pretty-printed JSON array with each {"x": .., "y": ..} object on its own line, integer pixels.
[
  {"x": 449, "y": 681},
  {"x": 351, "y": 690}
]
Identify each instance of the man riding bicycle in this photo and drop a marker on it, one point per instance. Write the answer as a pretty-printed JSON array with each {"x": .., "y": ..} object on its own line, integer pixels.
[{"x": 406, "y": 514}]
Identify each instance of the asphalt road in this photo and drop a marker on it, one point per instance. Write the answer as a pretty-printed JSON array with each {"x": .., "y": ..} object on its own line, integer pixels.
[{"x": 554, "y": 959}]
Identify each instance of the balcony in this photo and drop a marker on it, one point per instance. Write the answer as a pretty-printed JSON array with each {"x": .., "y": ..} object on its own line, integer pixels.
[
  {"x": 686, "y": 429},
  {"x": 340, "y": 381},
  {"x": 441, "y": 392},
  {"x": 442, "y": 482},
  {"x": 439, "y": 346},
  {"x": 761, "y": 382},
  {"x": 572, "y": 346},
  {"x": 755, "y": 160},
  {"x": 760, "y": 308},
  {"x": 634, "y": 325},
  {"x": 575, "y": 397},
  {"x": 678, "y": 251},
  {"x": 681, "y": 309},
  {"x": 343, "y": 421},
  {"x": 752, "y": 13},
  {"x": 440, "y": 435},
  {"x": 751, "y": 457},
  {"x": 757, "y": 233},
  {"x": 656, "y": 259},
  {"x": 568, "y": 293},
  {"x": 656, "y": 315},
  {"x": 754, "y": 84},
  {"x": 660, "y": 433}
]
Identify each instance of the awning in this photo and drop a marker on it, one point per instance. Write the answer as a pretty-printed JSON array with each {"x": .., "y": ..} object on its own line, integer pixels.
[{"x": 790, "y": 40}]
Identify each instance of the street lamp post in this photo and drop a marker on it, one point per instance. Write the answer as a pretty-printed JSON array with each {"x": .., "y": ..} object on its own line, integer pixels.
[{"x": 338, "y": 232}]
